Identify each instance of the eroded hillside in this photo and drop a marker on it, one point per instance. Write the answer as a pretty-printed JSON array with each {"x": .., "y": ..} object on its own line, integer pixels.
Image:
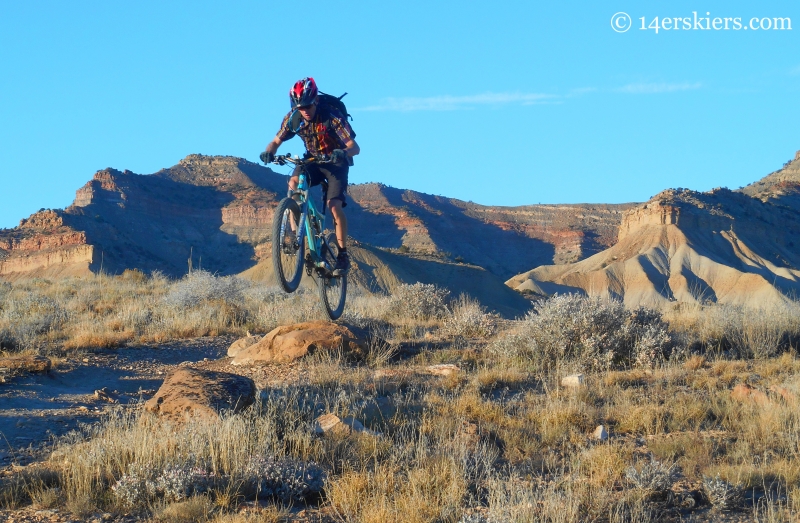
[
  {"x": 501, "y": 239},
  {"x": 720, "y": 246}
]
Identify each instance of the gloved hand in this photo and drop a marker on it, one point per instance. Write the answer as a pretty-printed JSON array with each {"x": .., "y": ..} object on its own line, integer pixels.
[
  {"x": 339, "y": 157},
  {"x": 267, "y": 157}
]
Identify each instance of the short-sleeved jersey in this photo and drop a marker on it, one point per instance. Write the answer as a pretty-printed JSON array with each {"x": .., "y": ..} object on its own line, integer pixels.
[{"x": 328, "y": 130}]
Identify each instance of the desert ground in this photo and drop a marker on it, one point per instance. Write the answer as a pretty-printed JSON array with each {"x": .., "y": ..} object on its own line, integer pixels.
[{"x": 431, "y": 409}]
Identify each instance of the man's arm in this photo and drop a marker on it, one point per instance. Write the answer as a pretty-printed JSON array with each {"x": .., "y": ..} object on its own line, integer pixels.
[
  {"x": 272, "y": 147},
  {"x": 351, "y": 148}
]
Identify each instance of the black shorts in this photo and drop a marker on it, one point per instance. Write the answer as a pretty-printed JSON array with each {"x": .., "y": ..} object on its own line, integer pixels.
[{"x": 335, "y": 175}]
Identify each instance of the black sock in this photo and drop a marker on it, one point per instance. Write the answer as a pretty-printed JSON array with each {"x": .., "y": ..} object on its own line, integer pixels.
[{"x": 342, "y": 250}]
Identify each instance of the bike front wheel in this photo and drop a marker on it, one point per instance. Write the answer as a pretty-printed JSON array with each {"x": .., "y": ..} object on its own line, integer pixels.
[
  {"x": 287, "y": 252},
  {"x": 332, "y": 289}
]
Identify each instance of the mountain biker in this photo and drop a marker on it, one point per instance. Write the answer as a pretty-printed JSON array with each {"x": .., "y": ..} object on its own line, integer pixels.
[{"x": 325, "y": 131}]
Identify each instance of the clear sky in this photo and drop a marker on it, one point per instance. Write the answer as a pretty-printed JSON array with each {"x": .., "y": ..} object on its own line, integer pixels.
[{"x": 502, "y": 103}]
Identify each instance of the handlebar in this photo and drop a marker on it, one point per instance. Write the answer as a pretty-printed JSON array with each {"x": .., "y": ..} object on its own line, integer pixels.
[{"x": 283, "y": 159}]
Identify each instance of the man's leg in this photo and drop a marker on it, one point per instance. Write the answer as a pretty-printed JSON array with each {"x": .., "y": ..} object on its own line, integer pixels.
[
  {"x": 294, "y": 180},
  {"x": 337, "y": 200},
  {"x": 340, "y": 221}
]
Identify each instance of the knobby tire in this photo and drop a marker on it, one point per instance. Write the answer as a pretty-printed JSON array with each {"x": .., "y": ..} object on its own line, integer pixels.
[
  {"x": 332, "y": 290},
  {"x": 287, "y": 260}
]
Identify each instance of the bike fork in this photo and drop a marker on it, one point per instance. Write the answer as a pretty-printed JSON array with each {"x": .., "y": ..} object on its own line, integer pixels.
[{"x": 301, "y": 226}]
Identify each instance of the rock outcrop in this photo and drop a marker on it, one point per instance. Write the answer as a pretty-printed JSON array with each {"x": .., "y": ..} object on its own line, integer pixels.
[
  {"x": 199, "y": 393},
  {"x": 209, "y": 212},
  {"x": 291, "y": 342},
  {"x": 44, "y": 244}
]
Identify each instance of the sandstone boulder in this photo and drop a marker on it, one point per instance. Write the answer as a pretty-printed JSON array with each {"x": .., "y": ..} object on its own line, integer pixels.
[
  {"x": 600, "y": 433},
  {"x": 201, "y": 393},
  {"x": 572, "y": 381},
  {"x": 785, "y": 393},
  {"x": 33, "y": 364},
  {"x": 333, "y": 424},
  {"x": 444, "y": 369},
  {"x": 746, "y": 394},
  {"x": 291, "y": 342},
  {"x": 241, "y": 344}
]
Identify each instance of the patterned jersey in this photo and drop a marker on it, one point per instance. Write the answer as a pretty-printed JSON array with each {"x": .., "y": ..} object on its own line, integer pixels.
[{"x": 328, "y": 130}]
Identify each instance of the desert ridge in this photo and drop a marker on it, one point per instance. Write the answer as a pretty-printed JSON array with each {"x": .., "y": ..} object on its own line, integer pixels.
[{"x": 215, "y": 213}]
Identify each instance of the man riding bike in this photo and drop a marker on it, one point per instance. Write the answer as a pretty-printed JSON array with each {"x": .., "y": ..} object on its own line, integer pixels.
[{"x": 325, "y": 132}]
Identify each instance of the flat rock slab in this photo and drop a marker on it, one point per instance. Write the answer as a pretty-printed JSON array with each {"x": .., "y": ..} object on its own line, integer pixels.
[
  {"x": 291, "y": 342},
  {"x": 201, "y": 393},
  {"x": 32, "y": 364}
]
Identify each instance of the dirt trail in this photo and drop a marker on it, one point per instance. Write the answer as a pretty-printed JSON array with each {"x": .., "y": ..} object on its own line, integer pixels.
[{"x": 36, "y": 408}]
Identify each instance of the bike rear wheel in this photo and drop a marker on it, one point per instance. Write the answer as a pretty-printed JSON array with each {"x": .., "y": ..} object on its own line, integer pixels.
[
  {"x": 332, "y": 289},
  {"x": 287, "y": 252}
]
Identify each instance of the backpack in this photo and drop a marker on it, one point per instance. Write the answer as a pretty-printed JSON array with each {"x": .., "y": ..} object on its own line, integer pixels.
[{"x": 335, "y": 103}]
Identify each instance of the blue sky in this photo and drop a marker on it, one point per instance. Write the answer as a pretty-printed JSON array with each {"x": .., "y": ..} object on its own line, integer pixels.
[{"x": 502, "y": 103}]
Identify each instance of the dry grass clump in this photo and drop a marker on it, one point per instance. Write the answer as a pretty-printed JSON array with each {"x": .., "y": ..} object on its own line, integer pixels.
[
  {"x": 737, "y": 331},
  {"x": 468, "y": 319},
  {"x": 197, "y": 508},
  {"x": 420, "y": 301},
  {"x": 431, "y": 491},
  {"x": 722, "y": 494},
  {"x": 269, "y": 514},
  {"x": 29, "y": 319},
  {"x": 653, "y": 477},
  {"x": 35, "y": 485},
  {"x": 586, "y": 333}
]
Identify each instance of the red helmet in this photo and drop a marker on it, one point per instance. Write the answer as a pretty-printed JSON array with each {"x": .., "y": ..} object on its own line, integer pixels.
[{"x": 303, "y": 93}]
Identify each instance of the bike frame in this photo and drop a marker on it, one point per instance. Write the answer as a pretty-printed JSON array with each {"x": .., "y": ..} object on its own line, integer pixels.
[{"x": 309, "y": 215}]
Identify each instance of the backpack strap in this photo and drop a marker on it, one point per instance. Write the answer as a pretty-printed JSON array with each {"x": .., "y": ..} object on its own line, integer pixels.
[
  {"x": 325, "y": 114},
  {"x": 294, "y": 121}
]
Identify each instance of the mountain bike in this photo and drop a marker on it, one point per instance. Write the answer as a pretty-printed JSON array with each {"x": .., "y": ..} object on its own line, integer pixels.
[{"x": 299, "y": 241}]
